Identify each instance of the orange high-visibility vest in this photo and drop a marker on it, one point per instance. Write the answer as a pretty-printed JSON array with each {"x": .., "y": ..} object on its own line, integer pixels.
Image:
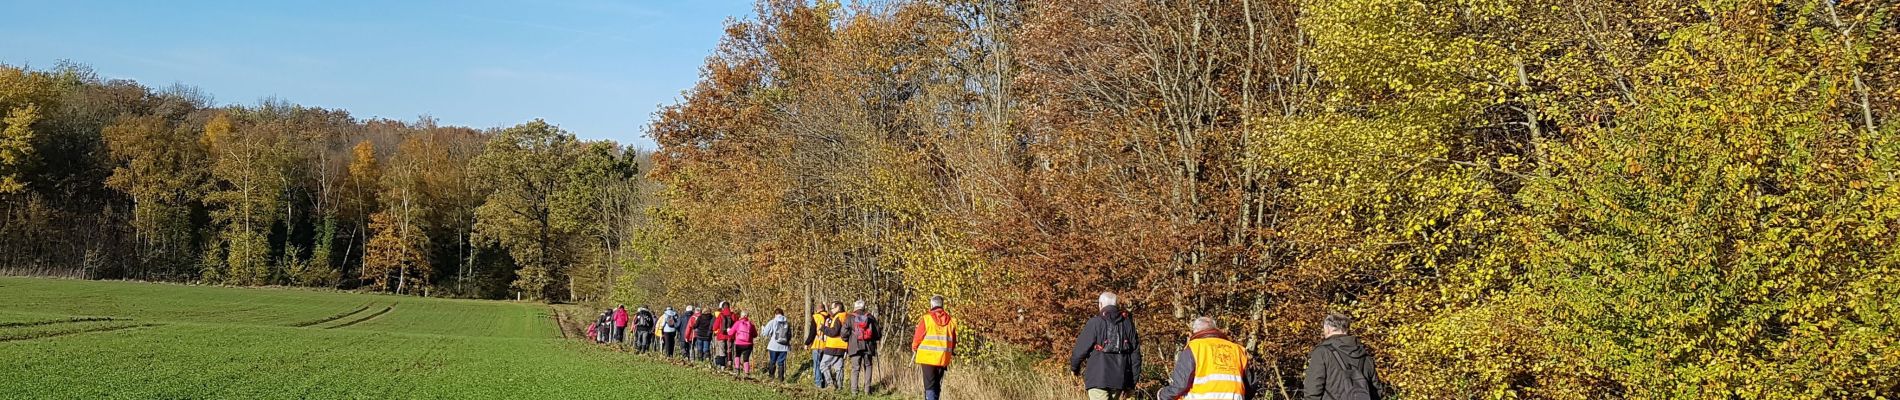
[
  {"x": 934, "y": 350},
  {"x": 817, "y": 322},
  {"x": 1218, "y": 367},
  {"x": 836, "y": 342}
]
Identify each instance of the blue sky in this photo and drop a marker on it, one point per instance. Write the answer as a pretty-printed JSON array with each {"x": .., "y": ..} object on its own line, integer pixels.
[{"x": 598, "y": 68}]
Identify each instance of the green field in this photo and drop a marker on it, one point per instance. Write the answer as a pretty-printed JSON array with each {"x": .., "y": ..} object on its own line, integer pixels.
[{"x": 90, "y": 339}]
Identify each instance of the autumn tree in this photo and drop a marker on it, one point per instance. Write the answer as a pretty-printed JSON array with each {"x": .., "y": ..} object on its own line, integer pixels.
[
  {"x": 163, "y": 168},
  {"x": 525, "y": 166}
]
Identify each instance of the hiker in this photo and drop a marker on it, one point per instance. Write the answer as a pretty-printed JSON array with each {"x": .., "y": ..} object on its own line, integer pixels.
[
  {"x": 722, "y": 335},
  {"x": 692, "y": 332},
  {"x": 606, "y": 328},
  {"x": 742, "y": 334},
  {"x": 642, "y": 329},
  {"x": 620, "y": 324},
  {"x": 703, "y": 335},
  {"x": 685, "y": 327},
  {"x": 669, "y": 332},
  {"x": 591, "y": 330},
  {"x": 817, "y": 344},
  {"x": 1111, "y": 347},
  {"x": 777, "y": 344},
  {"x": 861, "y": 345},
  {"x": 834, "y": 331},
  {"x": 1340, "y": 367},
  {"x": 1211, "y": 367},
  {"x": 935, "y": 340}
]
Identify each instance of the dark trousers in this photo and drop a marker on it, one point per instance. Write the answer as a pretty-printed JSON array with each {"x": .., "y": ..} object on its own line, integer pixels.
[
  {"x": 776, "y": 366},
  {"x": 620, "y": 333},
  {"x": 933, "y": 380},
  {"x": 667, "y": 340}
]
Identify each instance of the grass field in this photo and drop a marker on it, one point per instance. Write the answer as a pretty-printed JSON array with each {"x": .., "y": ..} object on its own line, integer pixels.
[{"x": 89, "y": 339}]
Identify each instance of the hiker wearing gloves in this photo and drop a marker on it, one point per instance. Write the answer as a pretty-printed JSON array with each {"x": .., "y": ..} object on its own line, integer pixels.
[
  {"x": 669, "y": 331},
  {"x": 1111, "y": 348},
  {"x": 861, "y": 345},
  {"x": 1212, "y": 367},
  {"x": 1340, "y": 368},
  {"x": 934, "y": 342},
  {"x": 778, "y": 344}
]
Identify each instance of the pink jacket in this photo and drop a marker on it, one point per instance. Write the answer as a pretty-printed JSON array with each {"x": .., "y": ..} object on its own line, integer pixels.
[
  {"x": 620, "y": 317},
  {"x": 742, "y": 332}
]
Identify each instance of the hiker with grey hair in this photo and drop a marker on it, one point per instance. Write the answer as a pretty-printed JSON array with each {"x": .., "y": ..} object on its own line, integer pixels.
[
  {"x": 935, "y": 341},
  {"x": 1340, "y": 367},
  {"x": 1212, "y": 367},
  {"x": 1111, "y": 348},
  {"x": 863, "y": 334}
]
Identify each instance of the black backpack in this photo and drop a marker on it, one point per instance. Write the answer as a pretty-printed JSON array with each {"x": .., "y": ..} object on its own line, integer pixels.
[
  {"x": 1113, "y": 340},
  {"x": 1357, "y": 386}
]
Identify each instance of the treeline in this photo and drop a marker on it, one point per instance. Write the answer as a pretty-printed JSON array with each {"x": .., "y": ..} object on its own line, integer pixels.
[
  {"x": 114, "y": 180},
  {"x": 1551, "y": 199}
]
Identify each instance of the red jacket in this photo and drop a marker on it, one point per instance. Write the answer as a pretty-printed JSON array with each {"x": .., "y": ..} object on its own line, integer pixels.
[
  {"x": 620, "y": 317},
  {"x": 722, "y": 320}
]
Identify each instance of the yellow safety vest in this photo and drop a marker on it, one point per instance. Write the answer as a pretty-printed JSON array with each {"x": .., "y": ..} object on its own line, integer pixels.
[
  {"x": 934, "y": 350},
  {"x": 836, "y": 342},
  {"x": 1218, "y": 367},
  {"x": 817, "y": 322}
]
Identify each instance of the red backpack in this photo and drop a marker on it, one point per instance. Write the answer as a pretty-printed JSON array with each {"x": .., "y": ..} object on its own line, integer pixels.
[{"x": 863, "y": 326}]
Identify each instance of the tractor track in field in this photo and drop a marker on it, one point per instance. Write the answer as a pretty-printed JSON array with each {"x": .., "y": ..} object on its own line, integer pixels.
[
  {"x": 331, "y": 318},
  {"x": 4, "y": 325},
  {"x": 560, "y": 322},
  {"x": 49, "y": 335},
  {"x": 386, "y": 310}
]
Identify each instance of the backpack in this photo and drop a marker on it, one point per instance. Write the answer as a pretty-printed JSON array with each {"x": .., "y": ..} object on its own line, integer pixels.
[
  {"x": 1113, "y": 339},
  {"x": 1357, "y": 388},
  {"x": 862, "y": 325},
  {"x": 778, "y": 335}
]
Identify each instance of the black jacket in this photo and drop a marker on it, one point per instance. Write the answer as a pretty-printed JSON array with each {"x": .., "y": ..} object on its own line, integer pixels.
[
  {"x": 643, "y": 320},
  {"x": 1117, "y": 371},
  {"x": 703, "y": 329},
  {"x": 1326, "y": 379}
]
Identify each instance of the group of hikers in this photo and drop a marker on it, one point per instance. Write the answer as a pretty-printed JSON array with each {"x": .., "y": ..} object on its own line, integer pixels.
[
  {"x": 1212, "y": 366},
  {"x": 1108, "y": 348},
  {"x": 724, "y": 338}
]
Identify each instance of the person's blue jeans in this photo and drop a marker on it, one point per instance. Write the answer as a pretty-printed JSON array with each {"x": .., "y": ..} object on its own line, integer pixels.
[
  {"x": 817, "y": 374},
  {"x": 777, "y": 364},
  {"x": 705, "y": 348}
]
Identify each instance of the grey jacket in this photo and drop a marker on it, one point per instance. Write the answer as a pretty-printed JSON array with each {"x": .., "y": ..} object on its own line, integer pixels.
[
  {"x": 777, "y": 325},
  {"x": 1326, "y": 379}
]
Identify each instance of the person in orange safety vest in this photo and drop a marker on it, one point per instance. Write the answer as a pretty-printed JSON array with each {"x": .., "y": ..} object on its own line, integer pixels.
[
  {"x": 1212, "y": 367},
  {"x": 935, "y": 341}
]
